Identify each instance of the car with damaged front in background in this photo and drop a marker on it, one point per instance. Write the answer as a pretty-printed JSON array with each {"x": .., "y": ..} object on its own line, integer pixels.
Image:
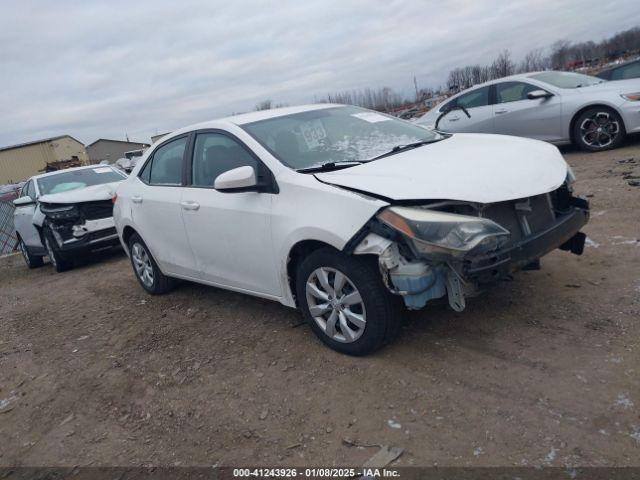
[
  {"x": 66, "y": 214},
  {"x": 349, "y": 215}
]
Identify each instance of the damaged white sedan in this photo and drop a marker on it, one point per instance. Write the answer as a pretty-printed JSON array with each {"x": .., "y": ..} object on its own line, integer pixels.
[
  {"x": 344, "y": 213},
  {"x": 66, "y": 214}
]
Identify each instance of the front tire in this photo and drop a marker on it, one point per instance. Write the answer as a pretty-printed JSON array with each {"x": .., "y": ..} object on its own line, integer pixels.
[
  {"x": 598, "y": 129},
  {"x": 32, "y": 261},
  {"x": 146, "y": 269},
  {"x": 58, "y": 260},
  {"x": 345, "y": 302}
]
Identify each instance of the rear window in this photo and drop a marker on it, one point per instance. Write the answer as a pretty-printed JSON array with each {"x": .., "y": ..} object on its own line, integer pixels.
[{"x": 66, "y": 181}]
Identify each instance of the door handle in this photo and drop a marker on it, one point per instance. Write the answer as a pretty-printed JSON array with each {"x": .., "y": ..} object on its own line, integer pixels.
[
  {"x": 499, "y": 112},
  {"x": 454, "y": 119},
  {"x": 136, "y": 199},
  {"x": 190, "y": 205}
]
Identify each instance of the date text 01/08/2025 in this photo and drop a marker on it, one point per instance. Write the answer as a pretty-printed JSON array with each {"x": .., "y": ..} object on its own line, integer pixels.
[{"x": 315, "y": 473}]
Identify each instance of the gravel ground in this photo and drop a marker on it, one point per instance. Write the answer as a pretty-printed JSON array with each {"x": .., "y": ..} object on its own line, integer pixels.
[{"x": 542, "y": 370}]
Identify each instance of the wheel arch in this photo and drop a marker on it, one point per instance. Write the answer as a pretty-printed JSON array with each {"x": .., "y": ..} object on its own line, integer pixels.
[
  {"x": 577, "y": 114},
  {"x": 127, "y": 233},
  {"x": 297, "y": 253}
]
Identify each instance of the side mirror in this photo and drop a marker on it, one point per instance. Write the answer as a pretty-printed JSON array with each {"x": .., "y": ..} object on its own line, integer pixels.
[
  {"x": 241, "y": 179},
  {"x": 535, "y": 94},
  {"x": 22, "y": 201}
]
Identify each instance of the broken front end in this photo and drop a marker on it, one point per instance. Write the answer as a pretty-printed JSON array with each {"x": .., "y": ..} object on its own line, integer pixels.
[
  {"x": 455, "y": 248},
  {"x": 81, "y": 226}
]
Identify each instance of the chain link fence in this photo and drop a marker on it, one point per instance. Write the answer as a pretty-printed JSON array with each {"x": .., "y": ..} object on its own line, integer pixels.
[{"x": 8, "y": 237}]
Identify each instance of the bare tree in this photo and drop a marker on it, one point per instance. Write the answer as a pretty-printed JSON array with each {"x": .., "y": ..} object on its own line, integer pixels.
[
  {"x": 534, "y": 61},
  {"x": 381, "y": 99},
  {"x": 560, "y": 54},
  {"x": 502, "y": 66},
  {"x": 268, "y": 105},
  {"x": 263, "y": 105}
]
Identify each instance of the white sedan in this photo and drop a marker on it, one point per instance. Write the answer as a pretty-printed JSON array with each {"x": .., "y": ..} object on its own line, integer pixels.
[
  {"x": 557, "y": 107},
  {"x": 344, "y": 213}
]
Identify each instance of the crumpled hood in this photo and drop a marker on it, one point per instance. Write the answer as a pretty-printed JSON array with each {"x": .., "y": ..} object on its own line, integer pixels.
[
  {"x": 87, "y": 194},
  {"x": 468, "y": 167}
]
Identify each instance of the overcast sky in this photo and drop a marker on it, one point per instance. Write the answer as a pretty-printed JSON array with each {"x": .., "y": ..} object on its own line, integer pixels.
[{"x": 105, "y": 69}]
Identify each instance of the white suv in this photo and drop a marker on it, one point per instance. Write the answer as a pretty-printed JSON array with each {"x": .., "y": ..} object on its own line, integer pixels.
[
  {"x": 66, "y": 214},
  {"x": 344, "y": 213}
]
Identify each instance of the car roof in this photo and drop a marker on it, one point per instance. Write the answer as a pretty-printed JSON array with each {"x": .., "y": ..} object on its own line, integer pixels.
[
  {"x": 51, "y": 174},
  {"x": 510, "y": 78},
  {"x": 244, "y": 118}
]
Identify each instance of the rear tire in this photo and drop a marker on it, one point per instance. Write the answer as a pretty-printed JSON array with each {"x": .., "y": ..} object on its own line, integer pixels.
[
  {"x": 32, "y": 261},
  {"x": 58, "y": 260},
  {"x": 146, "y": 269},
  {"x": 345, "y": 302},
  {"x": 598, "y": 129}
]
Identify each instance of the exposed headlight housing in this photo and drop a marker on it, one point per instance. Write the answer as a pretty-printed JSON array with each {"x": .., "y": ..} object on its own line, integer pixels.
[
  {"x": 445, "y": 234},
  {"x": 633, "y": 97}
]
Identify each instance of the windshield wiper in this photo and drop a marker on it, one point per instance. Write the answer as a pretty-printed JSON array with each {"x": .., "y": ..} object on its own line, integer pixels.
[
  {"x": 406, "y": 146},
  {"x": 326, "y": 167}
]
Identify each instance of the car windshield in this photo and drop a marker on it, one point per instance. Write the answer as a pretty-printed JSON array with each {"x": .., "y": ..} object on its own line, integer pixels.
[
  {"x": 333, "y": 135},
  {"x": 74, "y": 179},
  {"x": 567, "y": 79}
]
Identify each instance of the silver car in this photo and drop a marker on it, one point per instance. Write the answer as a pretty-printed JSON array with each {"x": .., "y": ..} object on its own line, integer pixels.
[{"x": 557, "y": 107}]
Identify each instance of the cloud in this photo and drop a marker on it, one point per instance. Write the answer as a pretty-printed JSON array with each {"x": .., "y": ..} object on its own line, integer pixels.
[{"x": 103, "y": 69}]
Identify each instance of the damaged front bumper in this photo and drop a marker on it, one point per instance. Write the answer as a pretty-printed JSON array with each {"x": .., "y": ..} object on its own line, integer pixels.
[
  {"x": 90, "y": 235},
  {"x": 564, "y": 234},
  {"x": 420, "y": 278},
  {"x": 81, "y": 227}
]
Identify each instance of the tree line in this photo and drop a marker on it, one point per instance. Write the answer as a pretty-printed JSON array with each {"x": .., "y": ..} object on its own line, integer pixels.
[{"x": 562, "y": 55}]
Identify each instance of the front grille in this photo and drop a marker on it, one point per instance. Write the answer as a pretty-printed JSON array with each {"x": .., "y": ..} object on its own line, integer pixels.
[
  {"x": 522, "y": 217},
  {"x": 97, "y": 210}
]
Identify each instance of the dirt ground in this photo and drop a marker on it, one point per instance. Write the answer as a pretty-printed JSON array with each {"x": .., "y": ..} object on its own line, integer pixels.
[{"x": 542, "y": 370}]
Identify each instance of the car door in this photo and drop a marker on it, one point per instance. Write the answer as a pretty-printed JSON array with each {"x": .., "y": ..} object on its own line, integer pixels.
[
  {"x": 156, "y": 209},
  {"x": 23, "y": 217},
  {"x": 481, "y": 113},
  {"x": 515, "y": 114},
  {"x": 229, "y": 233}
]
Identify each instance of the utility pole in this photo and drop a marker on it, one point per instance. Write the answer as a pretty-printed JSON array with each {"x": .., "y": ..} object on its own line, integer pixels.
[{"x": 415, "y": 84}]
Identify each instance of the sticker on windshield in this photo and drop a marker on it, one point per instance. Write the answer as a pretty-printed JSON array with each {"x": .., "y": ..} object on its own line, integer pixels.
[
  {"x": 313, "y": 133},
  {"x": 371, "y": 117},
  {"x": 102, "y": 170}
]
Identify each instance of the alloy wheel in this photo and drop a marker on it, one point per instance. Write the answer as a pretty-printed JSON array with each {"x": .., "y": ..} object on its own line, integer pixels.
[
  {"x": 142, "y": 264},
  {"x": 599, "y": 130},
  {"x": 336, "y": 305}
]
